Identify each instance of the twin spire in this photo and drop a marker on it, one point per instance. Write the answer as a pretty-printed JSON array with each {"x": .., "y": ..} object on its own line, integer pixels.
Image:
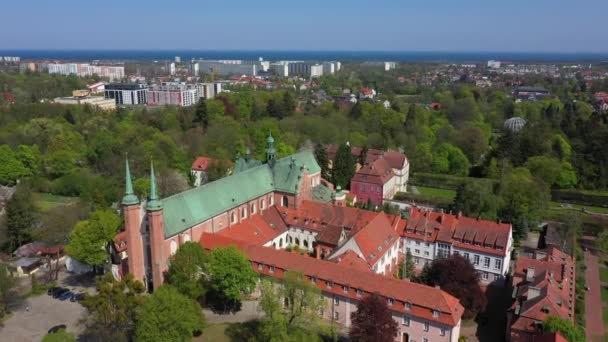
[{"x": 154, "y": 203}]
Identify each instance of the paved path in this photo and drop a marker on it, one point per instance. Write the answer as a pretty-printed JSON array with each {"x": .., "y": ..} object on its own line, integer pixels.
[
  {"x": 249, "y": 311},
  {"x": 593, "y": 298}
]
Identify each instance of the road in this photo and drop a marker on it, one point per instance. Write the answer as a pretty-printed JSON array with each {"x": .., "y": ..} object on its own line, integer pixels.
[{"x": 593, "y": 298}]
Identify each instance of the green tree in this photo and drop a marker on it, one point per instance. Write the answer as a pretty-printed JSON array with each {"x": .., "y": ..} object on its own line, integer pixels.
[
  {"x": 522, "y": 200},
  {"x": 112, "y": 310},
  {"x": 450, "y": 159},
  {"x": 362, "y": 155},
  {"x": 89, "y": 239},
  {"x": 11, "y": 168},
  {"x": 322, "y": 160},
  {"x": 343, "y": 166},
  {"x": 373, "y": 321},
  {"x": 565, "y": 327},
  {"x": 201, "y": 114},
  {"x": 186, "y": 271},
  {"x": 546, "y": 169},
  {"x": 60, "y": 336},
  {"x": 406, "y": 267},
  {"x": 167, "y": 315},
  {"x": 141, "y": 186},
  {"x": 30, "y": 156},
  {"x": 231, "y": 273},
  {"x": 476, "y": 199},
  {"x": 20, "y": 217},
  {"x": 602, "y": 241},
  {"x": 567, "y": 177},
  {"x": 7, "y": 282}
]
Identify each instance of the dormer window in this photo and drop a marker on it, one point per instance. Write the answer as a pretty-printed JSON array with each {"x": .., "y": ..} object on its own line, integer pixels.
[
  {"x": 330, "y": 284},
  {"x": 391, "y": 301},
  {"x": 359, "y": 293},
  {"x": 435, "y": 313},
  {"x": 408, "y": 306},
  {"x": 313, "y": 280},
  {"x": 345, "y": 289},
  {"x": 271, "y": 269}
]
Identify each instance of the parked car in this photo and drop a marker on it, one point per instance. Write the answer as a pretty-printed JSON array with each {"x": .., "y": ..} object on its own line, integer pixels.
[
  {"x": 59, "y": 291},
  {"x": 77, "y": 297},
  {"x": 66, "y": 295},
  {"x": 52, "y": 290},
  {"x": 57, "y": 328}
]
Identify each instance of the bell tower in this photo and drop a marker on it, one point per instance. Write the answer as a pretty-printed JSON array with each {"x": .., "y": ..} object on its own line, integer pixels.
[
  {"x": 270, "y": 150},
  {"x": 131, "y": 209},
  {"x": 156, "y": 224}
]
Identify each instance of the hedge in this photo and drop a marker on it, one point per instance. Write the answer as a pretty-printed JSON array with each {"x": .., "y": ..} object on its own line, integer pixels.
[
  {"x": 447, "y": 182},
  {"x": 580, "y": 197}
]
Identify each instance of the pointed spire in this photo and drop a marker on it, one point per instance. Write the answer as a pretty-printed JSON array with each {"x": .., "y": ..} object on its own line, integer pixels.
[
  {"x": 270, "y": 150},
  {"x": 153, "y": 202},
  {"x": 129, "y": 198}
]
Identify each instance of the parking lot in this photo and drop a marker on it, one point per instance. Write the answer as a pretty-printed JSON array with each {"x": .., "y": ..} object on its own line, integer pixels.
[{"x": 44, "y": 313}]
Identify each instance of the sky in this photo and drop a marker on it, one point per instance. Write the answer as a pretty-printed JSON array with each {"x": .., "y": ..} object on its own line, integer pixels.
[{"x": 354, "y": 25}]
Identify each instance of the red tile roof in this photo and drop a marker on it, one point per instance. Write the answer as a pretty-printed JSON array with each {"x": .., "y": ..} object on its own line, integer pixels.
[
  {"x": 545, "y": 285},
  {"x": 351, "y": 259},
  {"x": 378, "y": 172},
  {"x": 394, "y": 158},
  {"x": 367, "y": 91},
  {"x": 376, "y": 238},
  {"x": 202, "y": 163},
  {"x": 120, "y": 241},
  {"x": 460, "y": 231},
  {"x": 254, "y": 229},
  {"x": 424, "y": 299}
]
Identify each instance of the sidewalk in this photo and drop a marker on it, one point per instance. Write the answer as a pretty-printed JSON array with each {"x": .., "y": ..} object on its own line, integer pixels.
[{"x": 594, "y": 324}]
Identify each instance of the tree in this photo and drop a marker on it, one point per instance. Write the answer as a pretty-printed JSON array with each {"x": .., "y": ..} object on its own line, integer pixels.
[
  {"x": 11, "y": 168},
  {"x": 343, "y": 166},
  {"x": 186, "y": 271},
  {"x": 113, "y": 308},
  {"x": 201, "y": 114},
  {"x": 565, "y": 327},
  {"x": 476, "y": 199},
  {"x": 450, "y": 159},
  {"x": 373, "y": 321},
  {"x": 231, "y": 273},
  {"x": 322, "y": 160},
  {"x": 363, "y": 155},
  {"x": 60, "y": 336},
  {"x": 20, "y": 217},
  {"x": 522, "y": 200},
  {"x": 406, "y": 267},
  {"x": 602, "y": 241},
  {"x": 7, "y": 282},
  {"x": 216, "y": 170},
  {"x": 89, "y": 239},
  {"x": 456, "y": 276},
  {"x": 291, "y": 307},
  {"x": 167, "y": 315},
  {"x": 546, "y": 169}
]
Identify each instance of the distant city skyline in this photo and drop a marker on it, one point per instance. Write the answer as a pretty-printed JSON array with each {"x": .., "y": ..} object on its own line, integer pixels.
[{"x": 382, "y": 25}]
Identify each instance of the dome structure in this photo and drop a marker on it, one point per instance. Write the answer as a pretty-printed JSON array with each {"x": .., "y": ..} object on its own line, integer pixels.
[{"x": 514, "y": 124}]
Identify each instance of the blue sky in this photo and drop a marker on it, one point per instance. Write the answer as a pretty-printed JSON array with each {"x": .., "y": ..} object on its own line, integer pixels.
[{"x": 404, "y": 25}]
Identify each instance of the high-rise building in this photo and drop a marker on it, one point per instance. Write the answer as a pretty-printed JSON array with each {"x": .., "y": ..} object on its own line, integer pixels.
[
  {"x": 84, "y": 70},
  {"x": 226, "y": 67},
  {"x": 126, "y": 93},
  {"x": 329, "y": 68},
  {"x": 316, "y": 70},
  {"x": 178, "y": 59},
  {"x": 208, "y": 90}
]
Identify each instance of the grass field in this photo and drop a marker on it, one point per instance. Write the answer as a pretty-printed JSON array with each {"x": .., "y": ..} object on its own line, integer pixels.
[
  {"x": 604, "y": 274},
  {"x": 604, "y": 294},
  {"x": 436, "y": 192},
  {"x": 46, "y": 202}
]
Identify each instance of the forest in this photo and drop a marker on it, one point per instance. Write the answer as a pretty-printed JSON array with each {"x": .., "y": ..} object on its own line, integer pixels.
[{"x": 79, "y": 151}]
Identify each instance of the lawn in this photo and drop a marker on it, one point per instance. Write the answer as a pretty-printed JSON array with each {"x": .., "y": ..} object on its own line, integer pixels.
[
  {"x": 605, "y": 311},
  {"x": 213, "y": 333},
  {"x": 46, "y": 202},
  {"x": 604, "y": 274},
  {"x": 604, "y": 294},
  {"x": 600, "y": 210},
  {"x": 436, "y": 192}
]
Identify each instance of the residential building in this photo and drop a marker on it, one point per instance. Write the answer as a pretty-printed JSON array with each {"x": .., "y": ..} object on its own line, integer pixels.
[
  {"x": 316, "y": 70},
  {"x": 265, "y": 207},
  {"x": 126, "y": 93},
  {"x": 84, "y": 70},
  {"x": 280, "y": 69},
  {"x": 367, "y": 93},
  {"x": 172, "y": 94},
  {"x": 381, "y": 176},
  {"x": 543, "y": 285},
  {"x": 389, "y": 66},
  {"x": 494, "y": 64},
  {"x": 530, "y": 93},
  {"x": 199, "y": 169},
  {"x": 329, "y": 68},
  {"x": 226, "y": 67},
  {"x": 208, "y": 90},
  {"x": 96, "y": 88},
  {"x": 428, "y": 235},
  {"x": 95, "y": 101}
]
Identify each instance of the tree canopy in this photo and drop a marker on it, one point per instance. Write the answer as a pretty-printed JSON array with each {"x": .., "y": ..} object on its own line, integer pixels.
[
  {"x": 565, "y": 327},
  {"x": 186, "y": 270},
  {"x": 167, "y": 316},
  {"x": 231, "y": 273},
  {"x": 90, "y": 237},
  {"x": 373, "y": 321}
]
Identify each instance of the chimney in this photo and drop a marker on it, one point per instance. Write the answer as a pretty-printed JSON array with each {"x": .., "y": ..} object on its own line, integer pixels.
[
  {"x": 530, "y": 274},
  {"x": 533, "y": 292},
  {"x": 441, "y": 217}
]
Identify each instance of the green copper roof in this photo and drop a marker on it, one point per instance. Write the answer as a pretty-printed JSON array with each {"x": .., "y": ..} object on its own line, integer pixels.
[
  {"x": 243, "y": 164},
  {"x": 321, "y": 193},
  {"x": 194, "y": 206},
  {"x": 129, "y": 198},
  {"x": 154, "y": 203}
]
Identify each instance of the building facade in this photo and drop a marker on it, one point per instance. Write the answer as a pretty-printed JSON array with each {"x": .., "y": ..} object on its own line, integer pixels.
[
  {"x": 84, "y": 70},
  {"x": 172, "y": 94},
  {"x": 126, "y": 93},
  {"x": 429, "y": 235}
]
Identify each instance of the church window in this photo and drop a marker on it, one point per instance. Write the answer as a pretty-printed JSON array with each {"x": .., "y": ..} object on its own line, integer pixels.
[
  {"x": 271, "y": 201},
  {"x": 285, "y": 202},
  {"x": 252, "y": 208},
  {"x": 281, "y": 243},
  {"x": 305, "y": 244},
  {"x": 262, "y": 204},
  {"x": 232, "y": 217},
  {"x": 243, "y": 212}
]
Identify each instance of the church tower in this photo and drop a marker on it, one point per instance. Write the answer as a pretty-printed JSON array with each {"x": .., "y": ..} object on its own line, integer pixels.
[
  {"x": 270, "y": 150},
  {"x": 154, "y": 209},
  {"x": 131, "y": 209}
]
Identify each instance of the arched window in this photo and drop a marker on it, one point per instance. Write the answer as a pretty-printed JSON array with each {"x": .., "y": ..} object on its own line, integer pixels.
[
  {"x": 274, "y": 245},
  {"x": 297, "y": 241},
  {"x": 271, "y": 200},
  {"x": 232, "y": 217},
  {"x": 262, "y": 204},
  {"x": 281, "y": 243},
  {"x": 252, "y": 208},
  {"x": 285, "y": 201},
  {"x": 243, "y": 212},
  {"x": 305, "y": 243},
  {"x": 186, "y": 238},
  {"x": 173, "y": 247}
]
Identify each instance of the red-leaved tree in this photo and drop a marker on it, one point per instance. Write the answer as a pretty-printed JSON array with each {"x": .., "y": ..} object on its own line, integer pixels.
[
  {"x": 373, "y": 321},
  {"x": 456, "y": 276}
]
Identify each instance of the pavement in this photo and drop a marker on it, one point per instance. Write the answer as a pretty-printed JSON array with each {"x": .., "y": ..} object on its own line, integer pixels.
[
  {"x": 44, "y": 313},
  {"x": 249, "y": 311},
  {"x": 594, "y": 325}
]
